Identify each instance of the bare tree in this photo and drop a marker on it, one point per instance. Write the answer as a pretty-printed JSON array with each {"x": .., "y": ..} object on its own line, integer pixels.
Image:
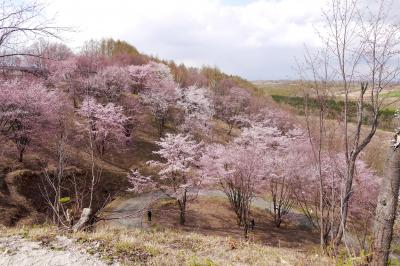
[
  {"x": 20, "y": 23},
  {"x": 386, "y": 208},
  {"x": 365, "y": 44},
  {"x": 317, "y": 85},
  {"x": 52, "y": 187}
]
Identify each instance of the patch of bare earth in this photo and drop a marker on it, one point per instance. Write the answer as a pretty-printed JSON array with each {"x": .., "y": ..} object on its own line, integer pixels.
[{"x": 61, "y": 251}]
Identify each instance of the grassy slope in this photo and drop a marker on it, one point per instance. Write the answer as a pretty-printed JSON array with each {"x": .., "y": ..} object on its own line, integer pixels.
[{"x": 171, "y": 247}]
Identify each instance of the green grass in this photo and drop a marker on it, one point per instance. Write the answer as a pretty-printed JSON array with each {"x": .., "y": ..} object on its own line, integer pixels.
[
  {"x": 279, "y": 88},
  {"x": 335, "y": 108},
  {"x": 392, "y": 94}
]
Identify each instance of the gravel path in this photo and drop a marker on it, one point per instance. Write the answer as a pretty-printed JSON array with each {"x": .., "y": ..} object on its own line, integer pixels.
[{"x": 17, "y": 251}]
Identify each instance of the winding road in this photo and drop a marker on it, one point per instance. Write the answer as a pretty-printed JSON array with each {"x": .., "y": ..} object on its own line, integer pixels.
[{"x": 128, "y": 214}]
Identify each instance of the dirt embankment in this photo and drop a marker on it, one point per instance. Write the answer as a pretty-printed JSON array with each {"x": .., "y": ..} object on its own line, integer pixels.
[
  {"x": 17, "y": 204},
  {"x": 21, "y": 193}
]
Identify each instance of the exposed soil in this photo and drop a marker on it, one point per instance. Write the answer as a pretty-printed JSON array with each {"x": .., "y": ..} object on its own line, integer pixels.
[{"x": 15, "y": 250}]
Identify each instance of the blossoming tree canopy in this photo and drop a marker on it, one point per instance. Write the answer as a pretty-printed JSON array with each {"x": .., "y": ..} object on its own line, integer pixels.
[
  {"x": 179, "y": 155},
  {"x": 198, "y": 108},
  {"x": 27, "y": 109},
  {"x": 104, "y": 124}
]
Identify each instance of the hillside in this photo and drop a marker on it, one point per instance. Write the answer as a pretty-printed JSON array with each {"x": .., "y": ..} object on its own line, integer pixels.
[
  {"x": 113, "y": 155},
  {"x": 141, "y": 247},
  {"x": 110, "y": 135}
]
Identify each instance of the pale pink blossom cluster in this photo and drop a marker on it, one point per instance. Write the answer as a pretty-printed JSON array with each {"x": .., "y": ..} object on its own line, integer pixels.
[
  {"x": 27, "y": 109},
  {"x": 198, "y": 108},
  {"x": 179, "y": 156},
  {"x": 103, "y": 124}
]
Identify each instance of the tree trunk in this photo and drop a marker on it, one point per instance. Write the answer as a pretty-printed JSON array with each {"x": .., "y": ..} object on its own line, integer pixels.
[
  {"x": 85, "y": 217},
  {"x": 246, "y": 230},
  {"x": 161, "y": 126},
  {"x": 182, "y": 209},
  {"x": 345, "y": 203},
  {"x": 385, "y": 213},
  {"x": 230, "y": 129},
  {"x": 21, "y": 156},
  {"x": 182, "y": 217}
]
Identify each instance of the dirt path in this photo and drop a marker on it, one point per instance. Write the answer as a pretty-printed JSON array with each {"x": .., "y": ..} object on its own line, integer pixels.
[{"x": 16, "y": 251}]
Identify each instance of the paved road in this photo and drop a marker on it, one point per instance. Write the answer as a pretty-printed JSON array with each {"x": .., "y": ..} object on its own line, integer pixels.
[
  {"x": 129, "y": 213},
  {"x": 132, "y": 210}
]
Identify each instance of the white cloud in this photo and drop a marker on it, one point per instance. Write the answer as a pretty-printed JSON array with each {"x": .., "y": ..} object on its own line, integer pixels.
[{"x": 255, "y": 39}]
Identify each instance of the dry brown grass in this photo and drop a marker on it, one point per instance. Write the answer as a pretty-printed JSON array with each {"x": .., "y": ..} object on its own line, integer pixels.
[
  {"x": 168, "y": 247},
  {"x": 375, "y": 152}
]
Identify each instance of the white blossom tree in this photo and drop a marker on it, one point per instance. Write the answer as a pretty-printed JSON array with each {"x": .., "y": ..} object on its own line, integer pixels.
[{"x": 176, "y": 178}]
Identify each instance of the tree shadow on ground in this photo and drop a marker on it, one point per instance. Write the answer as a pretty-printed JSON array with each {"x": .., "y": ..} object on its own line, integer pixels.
[{"x": 210, "y": 216}]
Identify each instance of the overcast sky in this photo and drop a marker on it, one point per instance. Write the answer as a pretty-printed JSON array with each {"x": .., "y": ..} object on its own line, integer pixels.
[{"x": 255, "y": 39}]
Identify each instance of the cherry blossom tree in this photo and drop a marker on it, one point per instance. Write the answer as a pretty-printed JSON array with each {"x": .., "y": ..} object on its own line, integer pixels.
[
  {"x": 198, "y": 108},
  {"x": 109, "y": 83},
  {"x": 27, "y": 110},
  {"x": 159, "y": 94},
  {"x": 240, "y": 167},
  {"x": 138, "y": 75},
  {"x": 148, "y": 76},
  {"x": 159, "y": 101},
  {"x": 66, "y": 74},
  {"x": 176, "y": 177},
  {"x": 237, "y": 170},
  {"x": 256, "y": 162},
  {"x": 104, "y": 125},
  {"x": 277, "y": 147},
  {"x": 230, "y": 103},
  {"x": 307, "y": 173}
]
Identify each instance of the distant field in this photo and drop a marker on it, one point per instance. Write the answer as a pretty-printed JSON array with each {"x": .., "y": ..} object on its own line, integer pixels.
[
  {"x": 393, "y": 94},
  {"x": 284, "y": 88},
  {"x": 291, "y": 94}
]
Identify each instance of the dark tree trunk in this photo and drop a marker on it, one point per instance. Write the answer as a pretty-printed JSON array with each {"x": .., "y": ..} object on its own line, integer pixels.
[
  {"x": 278, "y": 223},
  {"x": 21, "y": 155},
  {"x": 246, "y": 230},
  {"x": 386, "y": 208},
  {"x": 161, "y": 126},
  {"x": 182, "y": 217},
  {"x": 182, "y": 209},
  {"x": 230, "y": 129}
]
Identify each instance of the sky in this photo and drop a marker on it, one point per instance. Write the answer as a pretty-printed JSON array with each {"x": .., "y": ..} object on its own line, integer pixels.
[{"x": 257, "y": 39}]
